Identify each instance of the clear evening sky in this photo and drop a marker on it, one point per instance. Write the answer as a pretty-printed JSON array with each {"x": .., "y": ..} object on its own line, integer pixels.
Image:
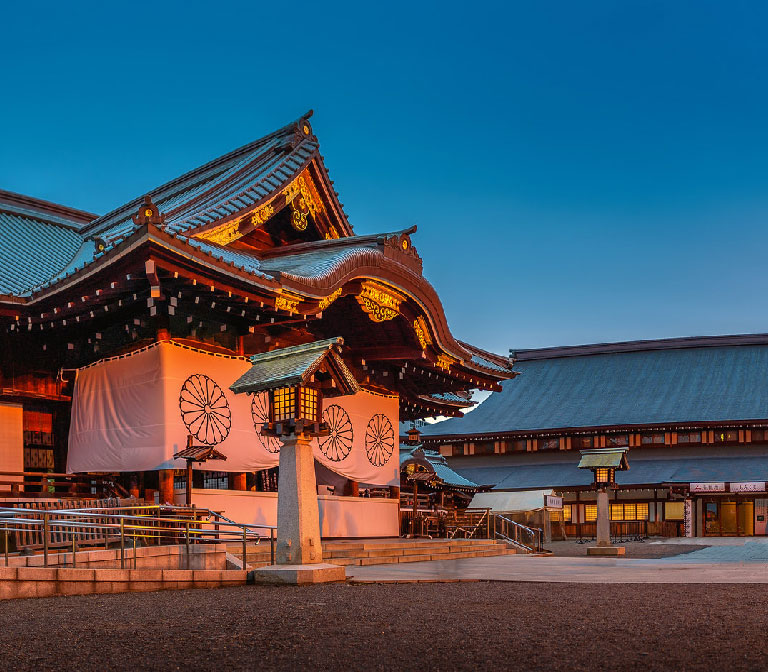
[{"x": 579, "y": 171}]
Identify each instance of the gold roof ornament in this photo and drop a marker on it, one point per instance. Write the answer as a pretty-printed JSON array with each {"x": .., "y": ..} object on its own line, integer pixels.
[{"x": 379, "y": 301}]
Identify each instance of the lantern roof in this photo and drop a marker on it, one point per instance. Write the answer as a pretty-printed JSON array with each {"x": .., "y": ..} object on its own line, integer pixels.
[
  {"x": 595, "y": 458},
  {"x": 200, "y": 454},
  {"x": 299, "y": 365}
]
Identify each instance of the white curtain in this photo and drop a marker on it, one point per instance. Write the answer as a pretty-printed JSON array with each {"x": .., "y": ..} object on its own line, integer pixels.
[{"x": 133, "y": 413}]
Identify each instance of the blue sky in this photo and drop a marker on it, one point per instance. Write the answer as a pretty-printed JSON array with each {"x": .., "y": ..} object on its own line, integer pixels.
[{"x": 579, "y": 172}]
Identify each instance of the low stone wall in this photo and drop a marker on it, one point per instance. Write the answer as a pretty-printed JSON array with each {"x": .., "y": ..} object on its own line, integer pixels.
[
  {"x": 157, "y": 568},
  {"x": 21, "y": 582},
  {"x": 200, "y": 556}
]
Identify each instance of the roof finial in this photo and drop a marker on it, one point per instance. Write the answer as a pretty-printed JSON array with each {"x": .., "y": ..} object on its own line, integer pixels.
[{"x": 148, "y": 214}]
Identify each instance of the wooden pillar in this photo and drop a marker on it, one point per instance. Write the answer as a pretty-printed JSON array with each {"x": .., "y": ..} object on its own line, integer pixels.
[
  {"x": 188, "y": 489},
  {"x": 240, "y": 350},
  {"x": 133, "y": 488},
  {"x": 165, "y": 477},
  {"x": 394, "y": 492},
  {"x": 351, "y": 489},
  {"x": 238, "y": 480}
]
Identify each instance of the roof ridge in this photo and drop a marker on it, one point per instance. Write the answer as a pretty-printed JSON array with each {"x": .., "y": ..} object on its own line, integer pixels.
[
  {"x": 347, "y": 241},
  {"x": 200, "y": 170},
  {"x": 675, "y": 343},
  {"x": 296, "y": 349}
]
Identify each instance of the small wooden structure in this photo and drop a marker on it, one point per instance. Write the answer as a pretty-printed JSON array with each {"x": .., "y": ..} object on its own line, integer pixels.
[{"x": 198, "y": 454}]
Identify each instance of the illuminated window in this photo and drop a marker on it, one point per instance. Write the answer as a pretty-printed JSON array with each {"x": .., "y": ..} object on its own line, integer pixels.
[
  {"x": 590, "y": 513},
  {"x": 642, "y": 511},
  {"x": 674, "y": 510},
  {"x": 308, "y": 403},
  {"x": 617, "y": 512},
  {"x": 630, "y": 512},
  {"x": 284, "y": 403},
  {"x": 567, "y": 512},
  {"x": 726, "y": 436},
  {"x": 602, "y": 475}
]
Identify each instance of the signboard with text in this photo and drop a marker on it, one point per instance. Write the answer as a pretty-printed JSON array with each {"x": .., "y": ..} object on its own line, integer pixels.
[
  {"x": 708, "y": 487},
  {"x": 552, "y": 502},
  {"x": 748, "y": 486}
]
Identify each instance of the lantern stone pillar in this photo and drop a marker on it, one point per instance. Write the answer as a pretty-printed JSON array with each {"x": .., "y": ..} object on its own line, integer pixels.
[
  {"x": 298, "y": 516},
  {"x": 603, "y": 519}
]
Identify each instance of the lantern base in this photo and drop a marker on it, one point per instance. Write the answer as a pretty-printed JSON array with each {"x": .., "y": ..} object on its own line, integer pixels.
[
  {"x": 606, "y": 551},
  {"x": 297, "y": 575}
]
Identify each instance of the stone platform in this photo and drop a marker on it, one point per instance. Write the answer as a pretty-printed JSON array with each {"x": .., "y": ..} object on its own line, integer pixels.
[{"x": 298, "y": 575}]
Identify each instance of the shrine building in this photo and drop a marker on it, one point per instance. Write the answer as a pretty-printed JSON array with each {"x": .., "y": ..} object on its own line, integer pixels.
[
  {"x": 693, "y": 413},
  {"x": 123, "y": 332}
]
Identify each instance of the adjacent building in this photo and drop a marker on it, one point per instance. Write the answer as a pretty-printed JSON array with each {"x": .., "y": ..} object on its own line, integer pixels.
[{"x": 692, "y": 411}]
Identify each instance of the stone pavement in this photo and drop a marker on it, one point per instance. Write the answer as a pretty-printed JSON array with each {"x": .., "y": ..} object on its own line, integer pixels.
[{"x": 724, "y": 564}]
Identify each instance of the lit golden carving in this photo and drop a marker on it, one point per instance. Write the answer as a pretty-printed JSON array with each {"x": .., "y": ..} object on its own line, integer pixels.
[
  {"x": 328, "y": 300},
  {"x": 332, "y": 233},
  {"x": 380, "y": 302},
  {"x": 304, "y": 200},
  {"x": 261, "y": 215},
  {"x": 287, "y": 302},
  {"x": 422, "y": 332},
  {"x": 445, "y": 362},
  {"x": 222, "y": 235}
]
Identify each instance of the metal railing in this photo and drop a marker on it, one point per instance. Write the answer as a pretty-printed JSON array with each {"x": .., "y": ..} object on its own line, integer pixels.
[
  {"x": 161, "y": 525},
  {"x": 528, "y": 539}
]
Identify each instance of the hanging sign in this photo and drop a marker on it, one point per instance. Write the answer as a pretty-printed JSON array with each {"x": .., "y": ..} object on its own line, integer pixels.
[
  {"x": 688, "y": 517},
  {"x": 553, "y": 502},
  {"x": 748, "y": 486},
  {"x": 707, "y": 487}
]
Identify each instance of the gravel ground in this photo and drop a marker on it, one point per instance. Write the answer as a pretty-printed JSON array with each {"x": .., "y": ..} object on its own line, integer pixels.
[
  {"x": 451, "y": 626},
  {"x": 635, "y": 549}
]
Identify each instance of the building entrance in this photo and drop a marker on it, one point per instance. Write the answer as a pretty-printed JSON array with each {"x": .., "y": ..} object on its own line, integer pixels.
[{"x": 724, "y": 518}]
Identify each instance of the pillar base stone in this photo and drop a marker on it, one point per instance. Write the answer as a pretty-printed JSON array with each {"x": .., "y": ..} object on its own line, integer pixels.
[
  {"x": 606, "y": 551},
  {"x": 298, "y": 575}
]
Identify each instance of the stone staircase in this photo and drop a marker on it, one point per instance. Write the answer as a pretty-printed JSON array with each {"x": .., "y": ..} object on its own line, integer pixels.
[{"x": 386, "y": 551}]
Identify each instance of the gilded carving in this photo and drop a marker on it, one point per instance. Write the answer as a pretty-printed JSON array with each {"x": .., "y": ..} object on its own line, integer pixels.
[
  {"x": 422, "y": 332},
  {"x": 286, "y": 302},
  {"x": 222, "y": 235},
  {"x": 445, "y": 362},
  {"x": 304, "y": 200},
  {"x": 381, "y": 303},
  {"x": 261, "y": 215},
  {"x": 328, "y": 300}
]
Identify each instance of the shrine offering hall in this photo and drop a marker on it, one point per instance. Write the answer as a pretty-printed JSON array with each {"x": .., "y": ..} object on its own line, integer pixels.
[{"x": 123, "y": 335}]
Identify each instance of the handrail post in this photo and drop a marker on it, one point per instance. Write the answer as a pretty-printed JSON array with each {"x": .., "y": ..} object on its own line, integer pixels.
[
  {"x": 45, "y": 540},
  {"x": 271, "y": 545},
  {"x": 74, "y": 549},
  {"x": 122, "y": 543},
  {"x": 134, "y": 550},
  {"x": 245, "y": 546},
  {"x": 6, "y": 548},
  {"x": 188, "y": 559}
]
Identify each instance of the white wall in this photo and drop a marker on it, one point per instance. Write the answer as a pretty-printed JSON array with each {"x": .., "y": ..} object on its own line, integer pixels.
[{"x": 353, "y": 517}]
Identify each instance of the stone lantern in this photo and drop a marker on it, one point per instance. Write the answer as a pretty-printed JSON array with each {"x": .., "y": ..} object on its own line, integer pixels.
[
  {"x": 297, "y": 379},
  {"x": 604, "y": 462}
]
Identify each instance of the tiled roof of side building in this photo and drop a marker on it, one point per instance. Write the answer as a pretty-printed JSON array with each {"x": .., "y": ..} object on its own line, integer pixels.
[
  {"x": 715, "y": 380},
  {"x": 32, "y": 251}
]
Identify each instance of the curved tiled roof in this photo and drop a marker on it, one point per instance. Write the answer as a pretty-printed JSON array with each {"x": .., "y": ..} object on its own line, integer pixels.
[
  {"x": 706, "y": 384},
  {"x": 33, "y": 250},
  {"x": 222, "y": 187}
]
